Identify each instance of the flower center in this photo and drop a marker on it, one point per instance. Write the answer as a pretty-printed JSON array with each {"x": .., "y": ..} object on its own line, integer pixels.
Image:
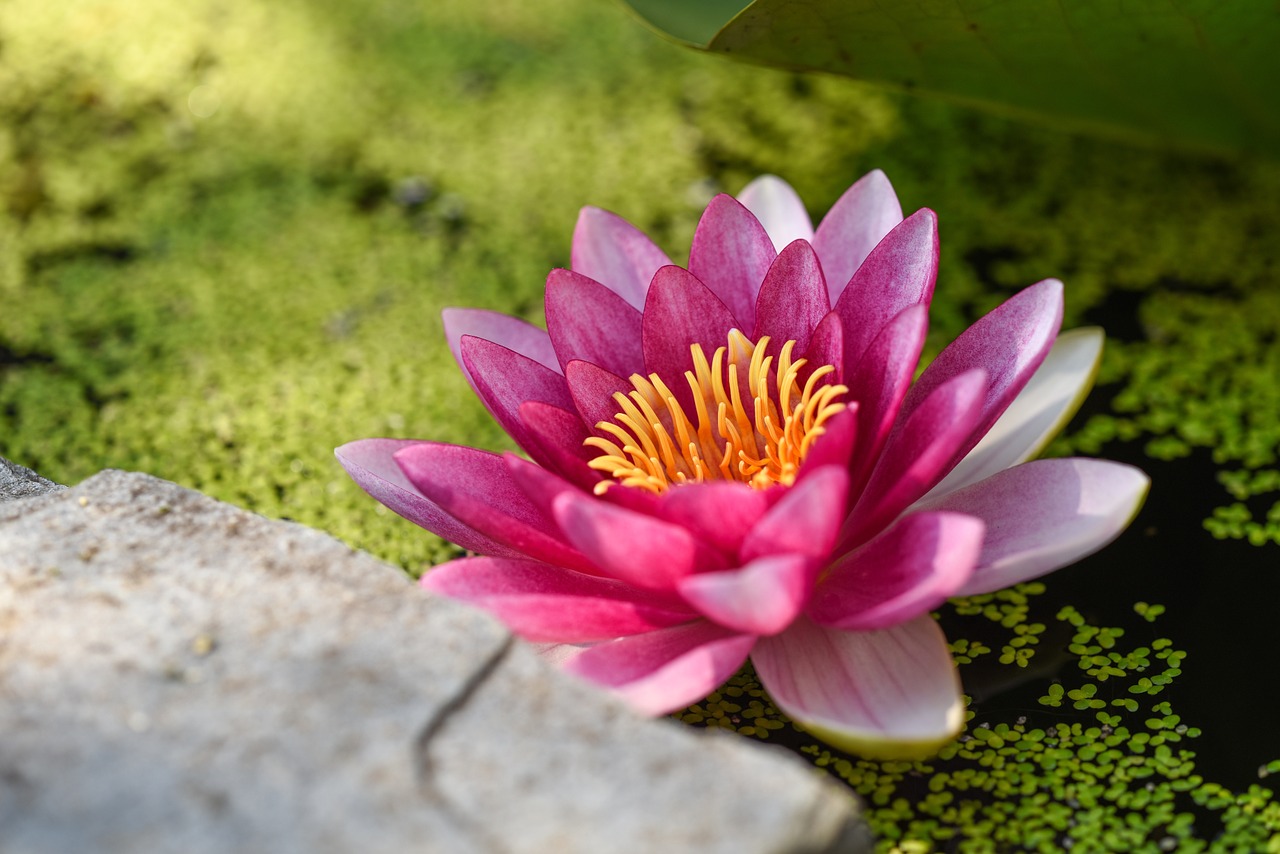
[{"x": 760, "y": 440}]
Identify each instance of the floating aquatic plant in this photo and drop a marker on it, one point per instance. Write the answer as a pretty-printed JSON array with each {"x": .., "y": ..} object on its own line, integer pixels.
[{"x": 733, "y": 460}]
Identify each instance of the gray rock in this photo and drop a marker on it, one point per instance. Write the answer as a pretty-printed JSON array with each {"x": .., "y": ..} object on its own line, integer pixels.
[
  {"x": 180, "y": 675},
  {"x": 21, "y": 482}
]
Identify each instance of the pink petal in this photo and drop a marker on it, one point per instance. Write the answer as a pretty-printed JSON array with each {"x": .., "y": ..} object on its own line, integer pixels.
[
  {"x": 558, "y": 435},
  {"x": 855, "y": 224},
  {"x": 805, "y": 521},
  {"x": 898, "y": 273},
  {"x": 778, "y": 208},
  {"x": 720, "y": 513},
  {"x": 681, "y": 312},
  {"x": 1043, "y": 407},
  {"x": 835, "y": 446},
  {"x": 616, "y": 254},
  {"x": 907, "y": 571},
  {"x": 793, "y": 298},
  {"x": 504, "y": 379},
  {"x": 511, "y": 332},
  {"x": 760, "y": 598},
  {"x": 1045, "y": 514},
  {"x": 919, "y": 451},
  {"x": 888, "y": 694},
  {"x": 880, "y": 384},
  {"x": 592, "y": 389},
  {"x": 1009, "y": 343},
  {"x": 474, "y": 487},
  {"x": 632, "y": 547},
  {"x": 588, "y": 321},
  {"x": 549, "y": 603},
  {"x": 665, "y": 670},
  {"x": 371, "y": 465},
  {"x": 731, "y": 254},
  {"x": 826, "y": 346}
]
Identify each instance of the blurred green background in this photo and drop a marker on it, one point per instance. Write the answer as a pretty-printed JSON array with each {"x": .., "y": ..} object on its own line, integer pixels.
[{"x": 227, "y": 230}]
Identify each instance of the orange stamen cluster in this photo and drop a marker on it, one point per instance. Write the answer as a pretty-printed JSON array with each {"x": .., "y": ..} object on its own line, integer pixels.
[{"x": 761, "y": 441}]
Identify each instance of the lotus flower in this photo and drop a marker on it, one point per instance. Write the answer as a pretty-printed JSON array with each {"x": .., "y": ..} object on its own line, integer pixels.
[{"x": 732, "y": 460}]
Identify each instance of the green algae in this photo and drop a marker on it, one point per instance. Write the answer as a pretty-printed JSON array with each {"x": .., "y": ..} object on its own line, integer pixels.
[{"x": 220, "y": 298}]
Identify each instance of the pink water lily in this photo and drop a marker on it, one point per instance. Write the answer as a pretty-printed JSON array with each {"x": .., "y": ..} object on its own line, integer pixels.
[{"x": 732, "y": 460}]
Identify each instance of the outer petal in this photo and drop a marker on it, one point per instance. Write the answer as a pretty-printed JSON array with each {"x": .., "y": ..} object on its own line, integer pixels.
[
  {"x": 504, "y": 380},
  {"x": 1009, "y": 344},
  {"x": 681, "y": 311},
  {"x": 904, "y": 573},
  {"x": 511, "y": 332},
  {"x": 549, "y": 603},
  {"x": 631, "y": 547},
  {"x": 616, "y": 254},
  {"x": 806, "y": 521},
  {"x": 826, "y": 346},
  {"x": 918, "y": 453},
  {"x": 890, "y": 694},
  {"x": 1045, "y": 514},
  {"x": 761, "y": 598},
  {"x": 371, "y": 464},
  {"x": 475, "y": 488},
  {"x": 793, "y": 299},
  {"x": 779, "y": 209},
  {"x": 855, "y": 224},
  {"x": 731, "y": 254},
  {"x": 665, "y": 670},
  {"x": 898, "y": 273},
  {"x": 1037, "y": 414},
  {"x": 588, "y": 321}
]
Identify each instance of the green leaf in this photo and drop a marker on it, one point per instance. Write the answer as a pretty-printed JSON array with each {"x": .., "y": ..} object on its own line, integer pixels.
[
  {"x": 691, "y": 21},
  {"x": 1203, "y": 72}
]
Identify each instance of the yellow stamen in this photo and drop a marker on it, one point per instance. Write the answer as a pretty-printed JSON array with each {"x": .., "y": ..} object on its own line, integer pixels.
[{"x": 760, "y": 441}]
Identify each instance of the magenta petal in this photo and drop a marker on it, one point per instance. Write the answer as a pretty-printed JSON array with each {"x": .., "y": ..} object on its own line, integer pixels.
[
  {"x": 793, "y": 298},
  {"x": 855, "y": 224},
  {"x": 475, "y": 487},
  {"x": 880, "y": 384},
  {"x": 669, "y": 669},
  {"x": 588, "y": 321},
  {"x": 760, "y": 598},
  {"x": 681, "y": 311},
  {"x": 559, "y": 435},
  {"x": 898, "y": 273},
  {"x": 834, "y": 446},
  {"x": 592, "y": 389},
  {"x": 907, "y": 571},
  {"x": 806, "y": 520},
  {"x": 731, "y": 254},
  {"x": 548, "y": 603},
  {"x": 1045, "y": 514},
  {"x": 504, "y": 379},
  {"x": 889, "y": 694},
  {"x": 371, "y": 464},
  {"x": 919, "y": 451},
  {"x": 632, "y": 547},
  {"x": 720, "y": 513},
  {"x": 1008, "y": 343},
  {"x": 616, "y": 254},
  {"x": 514, "y": 334},
  {"x": 826, "y": 347},
  {"x": 777, "y": 206}
]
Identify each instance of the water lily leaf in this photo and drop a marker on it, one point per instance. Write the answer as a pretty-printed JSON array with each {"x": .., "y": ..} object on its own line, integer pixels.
[
  {"x": 693, "y": 21},
  {"x": 1202, "y": 72}
]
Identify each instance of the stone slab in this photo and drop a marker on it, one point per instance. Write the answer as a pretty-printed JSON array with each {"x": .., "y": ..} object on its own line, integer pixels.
[
  {"x": 177, "y": 674},
  {"x": 21, "y": 482}
]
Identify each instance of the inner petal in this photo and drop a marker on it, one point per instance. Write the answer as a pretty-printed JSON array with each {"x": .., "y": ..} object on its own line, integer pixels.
[{"x": 754, "y": 420}]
